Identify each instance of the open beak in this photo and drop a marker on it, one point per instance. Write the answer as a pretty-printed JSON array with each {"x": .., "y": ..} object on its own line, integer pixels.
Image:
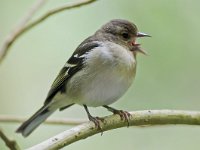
[
  {"x": 139, "y": 49},
  {"x": 140, "y": 34},
  {"x": 136, "y": 46}
]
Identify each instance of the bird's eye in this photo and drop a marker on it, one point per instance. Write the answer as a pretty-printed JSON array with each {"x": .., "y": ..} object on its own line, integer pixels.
[{"x": 125, "y": 35}]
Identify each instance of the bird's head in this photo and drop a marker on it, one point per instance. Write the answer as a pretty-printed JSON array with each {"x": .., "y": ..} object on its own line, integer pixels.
[{"x": 124, "y": 33}]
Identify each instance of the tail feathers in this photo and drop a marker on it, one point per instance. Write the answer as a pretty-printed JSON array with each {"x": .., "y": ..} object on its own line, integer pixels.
[{"x": 31, "y": 124}]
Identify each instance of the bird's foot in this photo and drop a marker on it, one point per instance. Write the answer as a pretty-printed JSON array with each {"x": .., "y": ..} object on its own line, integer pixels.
[
  {"x": 96, "y": 120},
  {"x": 124, "y": 115}
]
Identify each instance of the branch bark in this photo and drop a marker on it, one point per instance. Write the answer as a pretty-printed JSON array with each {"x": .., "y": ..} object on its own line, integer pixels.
[
  {"x": 11, "y": 144},
  {"x": 15, "y": 33},
  {"x": 18, "y": 119},
  {"x": 24, "y": 26},
  {"x": 138, "y": 118}
]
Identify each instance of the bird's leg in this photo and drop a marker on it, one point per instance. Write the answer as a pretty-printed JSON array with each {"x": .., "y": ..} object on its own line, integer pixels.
[
  {"x": 124, "y": 115},
  {"x": 95, "y": 120}
]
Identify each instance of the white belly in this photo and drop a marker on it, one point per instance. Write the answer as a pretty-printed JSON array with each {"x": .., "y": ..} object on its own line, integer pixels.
[
  {"x": 105, "y": 80},
  {"x": 105, "y": 89}
]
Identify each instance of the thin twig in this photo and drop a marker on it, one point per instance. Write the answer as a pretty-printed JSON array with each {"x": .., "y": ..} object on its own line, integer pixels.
[
  {"x": 11, "y": 144},
  {"x": 138, "y": 118},
  {"x": 22, "y": 28},
  {"x": 18, "y": 119},
  {"x": 11, "y": 37}
]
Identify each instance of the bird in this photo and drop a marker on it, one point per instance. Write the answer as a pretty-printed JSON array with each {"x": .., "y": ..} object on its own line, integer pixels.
[{"x": 99, "y": 72}]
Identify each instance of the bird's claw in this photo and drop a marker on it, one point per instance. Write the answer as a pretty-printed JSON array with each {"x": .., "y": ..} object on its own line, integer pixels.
[
  {"x": 124, "y": 115},
  {"x": 97, "y": 121}
]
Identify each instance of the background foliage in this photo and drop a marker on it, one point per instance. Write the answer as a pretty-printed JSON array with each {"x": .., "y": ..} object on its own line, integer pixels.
[{"x": 166, "y": 79}]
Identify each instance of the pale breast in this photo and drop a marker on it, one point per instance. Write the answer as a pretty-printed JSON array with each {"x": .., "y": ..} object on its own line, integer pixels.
[{"x": 109, "y": 73}]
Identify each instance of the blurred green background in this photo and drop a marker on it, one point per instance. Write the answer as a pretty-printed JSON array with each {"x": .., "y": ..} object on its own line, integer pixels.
[{"x": 169, "y": 78}]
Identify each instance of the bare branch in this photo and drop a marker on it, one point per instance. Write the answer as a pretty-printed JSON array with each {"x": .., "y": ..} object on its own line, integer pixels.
[
  {"x": 11, "y": 144},
  {"x": 138, "y": 118},
  {"x": 11, "y": 37},
  {"x": 23, "y": 26},
  {"x": 18, "y": 119}
]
